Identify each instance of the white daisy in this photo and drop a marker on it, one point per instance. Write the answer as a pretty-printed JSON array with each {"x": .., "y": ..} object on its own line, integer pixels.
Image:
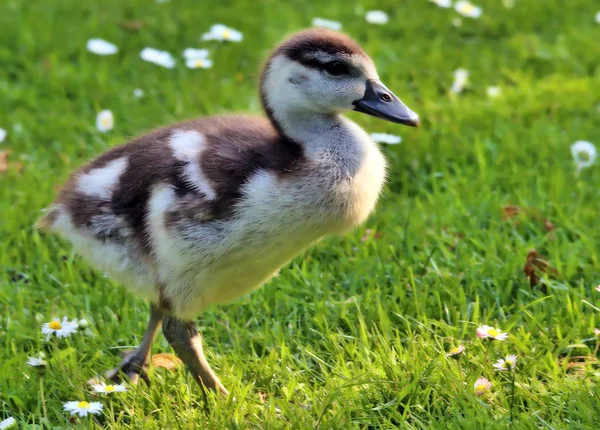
[
  {"x": 493, "y": 92},
  {"x": 482, "y": 386},
  {"x": 584, "y": 153},
  {"x": 138, "y": 93},
  {"x": 487, "y": 332},
  {"x": 83, "y": 408},
  {"x": 508, "y": 363},
  {"x": 442, "y": 3},
  {"x": 7, "y": 423},
  {"x": 101, "y": 47},
  {"x": 327, "y": 23},
  {"x": 194, "y": 54},
  {"x": 36, "y": 362},
  {"x": 160, "y": 58},
  {"x": 456, "y": 351},
  {"x": 461, "y": 77},
  {"x": 390, "y": 139},
  {"x": 199, "y": 63},
  {"x": 105, "y": 121},
  {"x": 598, "y": 17},
  {"x": 60, "y": 328},
  {"x": 3, "y": 134},
  {"x": 377, "y": 17},
  {"x": 222, "y": 33},
  {"x": 107, "y": 389},
  {"x": 468, "y": 9}
]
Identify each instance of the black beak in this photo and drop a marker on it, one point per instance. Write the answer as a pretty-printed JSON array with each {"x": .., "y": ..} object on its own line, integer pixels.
[{"x": 380, "y": 102}]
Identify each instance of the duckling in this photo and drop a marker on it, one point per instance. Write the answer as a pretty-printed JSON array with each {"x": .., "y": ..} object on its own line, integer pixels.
[{"x": 202, "y": 212}]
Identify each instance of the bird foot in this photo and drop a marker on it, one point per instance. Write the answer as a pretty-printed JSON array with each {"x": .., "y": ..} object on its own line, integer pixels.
[{"x": 133, "y": 367}]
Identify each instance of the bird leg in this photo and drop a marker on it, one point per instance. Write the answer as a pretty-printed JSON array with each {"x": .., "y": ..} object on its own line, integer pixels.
[
  {"x": 187, "y": 343},
  {"x": 135, "y": 365}
]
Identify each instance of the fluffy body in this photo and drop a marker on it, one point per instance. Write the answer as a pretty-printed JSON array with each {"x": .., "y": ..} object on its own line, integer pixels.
[{"x": 202, "y": 212}]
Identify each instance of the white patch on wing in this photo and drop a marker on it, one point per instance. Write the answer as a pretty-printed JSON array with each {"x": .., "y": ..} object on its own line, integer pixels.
[
  {"x": 187, "y": 145},
  {"x": 101, "y": 181}
]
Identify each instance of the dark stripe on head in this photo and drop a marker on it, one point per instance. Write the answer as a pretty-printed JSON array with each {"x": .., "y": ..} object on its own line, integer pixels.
[{"x": 303, "y": 46}]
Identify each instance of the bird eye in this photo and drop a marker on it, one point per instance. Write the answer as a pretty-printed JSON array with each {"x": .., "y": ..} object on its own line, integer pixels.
[{"x": 336, "y": 68}]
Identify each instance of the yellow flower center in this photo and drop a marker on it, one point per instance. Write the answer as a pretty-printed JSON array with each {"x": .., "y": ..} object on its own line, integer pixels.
[
  {"x": 55, "y": 325},
  {"x": 109, "y": 388},
  {"x": 509, "y": 363},
  {"x": 106, "y": 121},
  {"x": 455, "y": 350},
  {"x": 468, "y": 8},
  {"x": 83, "y": 405},
  {"x": 480, "y": 388},
  {"x": 493, "y": 332},
  {"x": 226, "y": 34},
  {"x": 199, "y": 63}
]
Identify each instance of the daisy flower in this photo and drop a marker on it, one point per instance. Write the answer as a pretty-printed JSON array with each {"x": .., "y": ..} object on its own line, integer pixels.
[
  {"x": 36, "y": 362},
  {"x": 584, "y": 153},
  {"x": 3, "y": 134},
  {"x": 101, "y": 47},
  {"x": 481, "y": 386},
  {"x": 199, "y": 63},
  {"x": 377, "y": 17},
  {"x": 138, "y": 93},
  {"x": 191, "y": 53},
  {"x": 461, "y": 77},
  {"x": 223, "y": 33},
  {"x": 83, "y": 408},
  {"x": 487, "y": 332},
  {"x": 107, "y": 389},
  {"x": 105, "y": 121},
  {"x": 493, "y": 92},
  {"x": 456, "y": 351},
  {"x": 442, "y": 3},
  {"x": 468, "y": 9},
  {"x": 82, "y": 324},
  {"x": 598, "y": 17},
  {"x": 60, "y": 328},
  {"x": 326, "y": 23},
  {"x": 507, "y": 363},
  {"x": 197, "y": 58},
  {"x": 390, "y": 139},
  {"x": 160, "y": 58},
  {"x": 7, "y": 423}
]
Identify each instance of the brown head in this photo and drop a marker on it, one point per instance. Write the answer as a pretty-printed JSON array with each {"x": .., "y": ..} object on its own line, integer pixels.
[{"x": 326, "y": 72}]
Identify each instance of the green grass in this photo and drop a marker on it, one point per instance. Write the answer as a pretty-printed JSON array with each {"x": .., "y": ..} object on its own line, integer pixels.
[{"x": 353, "y": 333}]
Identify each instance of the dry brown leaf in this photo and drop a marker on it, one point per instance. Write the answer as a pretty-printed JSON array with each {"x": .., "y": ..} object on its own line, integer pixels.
[
  {"x": 166, "y": 361},
  {"x": 511, "y": 211},
  {"x": 535, "y": 266},
  {"x": 262, "y": 397},
  {"x": 3, "y": 161},
  {"x": 133, "y": 25}
]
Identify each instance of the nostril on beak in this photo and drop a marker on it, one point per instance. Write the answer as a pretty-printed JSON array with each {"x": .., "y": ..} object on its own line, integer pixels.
[{"x": 386, "y": 97}]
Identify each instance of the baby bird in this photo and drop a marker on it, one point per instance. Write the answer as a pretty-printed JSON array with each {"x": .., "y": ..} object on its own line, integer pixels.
[{"x": 204, "y": 211}]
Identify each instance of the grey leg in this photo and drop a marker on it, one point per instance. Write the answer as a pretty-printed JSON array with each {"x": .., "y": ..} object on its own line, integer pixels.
[
  {"x": 187, "y": 343},
  {"x": 135, "y": 365}
]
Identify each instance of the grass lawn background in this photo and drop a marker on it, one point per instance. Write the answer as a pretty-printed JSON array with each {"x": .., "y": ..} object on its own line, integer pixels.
[{"x": 352, "y": 334}]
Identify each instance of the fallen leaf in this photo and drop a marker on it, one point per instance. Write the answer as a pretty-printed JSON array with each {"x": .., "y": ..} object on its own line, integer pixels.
[
  {"x": 166, "y": 361},
  {"x": 3, "y": 161},
  {"x": 133, "y": 25},
  {"x": 511, "y": 211},
  {"x": 535, "y": 266}
]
